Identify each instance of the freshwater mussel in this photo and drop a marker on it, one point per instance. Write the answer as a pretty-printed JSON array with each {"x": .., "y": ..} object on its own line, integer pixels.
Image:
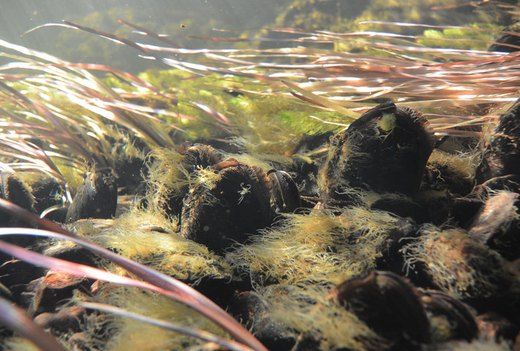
[
  {"x": 449, "y": 318},
  {"x": 15, "y": 190},
  {"x": 389, "y": 305},
  {"x": 194, "y": 157},
  {"x": 497, "y": 224},
  {"x": 385, "y": 150},
  {"x": 228, "y": 210},
  {"x": 96, "y": 197},
  {"x": 501, "y": 155}
]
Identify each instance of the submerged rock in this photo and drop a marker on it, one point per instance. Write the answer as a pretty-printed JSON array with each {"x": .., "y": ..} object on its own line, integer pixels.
[
  {"x": 385, "y": 150},
  {"x": 95, "y": 198}
]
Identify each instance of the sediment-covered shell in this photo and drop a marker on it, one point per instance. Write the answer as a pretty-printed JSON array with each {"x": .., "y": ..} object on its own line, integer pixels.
[
  {"x": 229, "y": 209},
  {"x": 444, "y": 176},
  {"x": 461, "y": 266},
  {"x": 501, "y": 156},
  {"x": 385, "y": 150},
  {"x": 95, "y": 198},
  {"x": 497, "y": 225},
  {"x": 388, "y": 304},
  {"x": 194, "y": 157},
  {"x": 15, "y": 190},
  {"x": 449, "y": 318}
]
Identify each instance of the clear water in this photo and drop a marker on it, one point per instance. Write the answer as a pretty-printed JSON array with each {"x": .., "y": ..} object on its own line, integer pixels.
[{"x": 223, "y": 126}]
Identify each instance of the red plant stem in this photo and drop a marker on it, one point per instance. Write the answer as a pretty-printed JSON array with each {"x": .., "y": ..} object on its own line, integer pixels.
[{"x": 174, "y": 288}]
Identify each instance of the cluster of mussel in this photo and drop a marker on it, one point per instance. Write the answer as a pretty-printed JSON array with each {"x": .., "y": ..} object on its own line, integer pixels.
[
  {"x": 456, "y": 280},
  {"x": 452, "y": 273}
]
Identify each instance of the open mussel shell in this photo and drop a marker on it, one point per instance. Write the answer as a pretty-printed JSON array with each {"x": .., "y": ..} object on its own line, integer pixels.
[
  {"x": 285, "y": 195},
  {"x": 388, "y": 304},
  {"x": 497, "y": 224},
  {"x": 501, "y": 155},
  {"x": 449, "y": 318},
  {"x": 385, "y": 150},
  {"x": 229, "y": 210},
  {"x": 95, "y": 198}
]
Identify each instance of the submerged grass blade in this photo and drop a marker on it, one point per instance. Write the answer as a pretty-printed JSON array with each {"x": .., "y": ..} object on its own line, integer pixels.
[
  {"x": 15, "y": 319},
  {"x": 172, "y": 287},
  {"x": 195, "y": 333}
]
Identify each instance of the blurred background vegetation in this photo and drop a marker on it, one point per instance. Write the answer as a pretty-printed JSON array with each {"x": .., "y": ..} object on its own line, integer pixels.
[{"x": 184, "y": 19}]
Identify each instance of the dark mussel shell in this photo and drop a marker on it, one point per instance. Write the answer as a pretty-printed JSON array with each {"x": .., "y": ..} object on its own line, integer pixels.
[
  {"x": 493, "y": 326},
  {"x": 285, "y": 195},
  {"x": 311, "y": 142},
  {"x": 458, "y": 264},
  {"x": 16, "y": 191},
  {"x": 388, "y": 304},
  {"x": 501, "y": 156},
  {"x": 195, "y": 156},
  {"x": 442, "y": 177},
  {"x": 47, "y": 193},
  {"x": 385, "y": 150},
  {"x": 508, "y": 41},
  {"x": 131, "y": 173},
  {"x": 401, "y": 206},
  {"x": 230, "y": 211},
  {"x": 465, "y": 209},
  {"x": 53, "y": 290},
  {"x": 391, "y": 257},
  {"x": 253, "y": 312},
  {"x": 95, "y": 198},
  {"x": 497, "y": 225},
  {"x": 449, "y": 318},
  {"x": 66, "y": 320}
]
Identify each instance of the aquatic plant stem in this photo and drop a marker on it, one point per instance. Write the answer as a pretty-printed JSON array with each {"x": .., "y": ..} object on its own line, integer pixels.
[{"x": 174, "y": 288}]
